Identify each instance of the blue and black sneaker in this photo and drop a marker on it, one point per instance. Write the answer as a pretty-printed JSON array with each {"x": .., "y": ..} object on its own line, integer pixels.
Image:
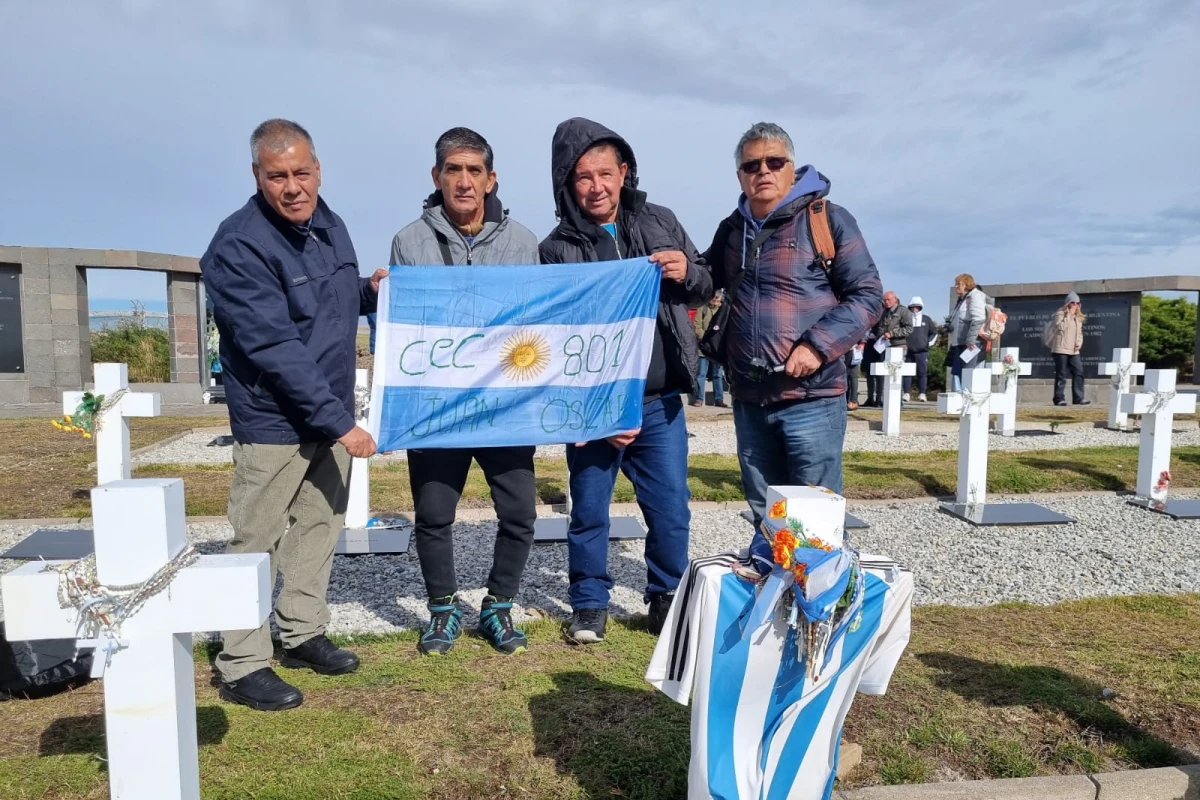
[
  {"x": 445, "y": 624},
  {"x": 496, "y": 625}
]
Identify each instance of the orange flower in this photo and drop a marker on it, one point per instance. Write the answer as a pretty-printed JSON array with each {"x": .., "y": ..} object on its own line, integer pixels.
[{"x": 778, "y": 510}]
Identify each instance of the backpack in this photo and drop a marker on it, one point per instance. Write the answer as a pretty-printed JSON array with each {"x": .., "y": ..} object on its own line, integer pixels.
[
  {"x": 1048, "y": 334},
  {"x": 993, "y": 323},
  {"x": 712, "y": 344}
]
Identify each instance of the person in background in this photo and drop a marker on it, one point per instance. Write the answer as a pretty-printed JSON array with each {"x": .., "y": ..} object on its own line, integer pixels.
[
  {"x": 966, "y": 320},
  {"x": 924, "y": 334},
  {"x": 1064, "y": 336},
  {"x": 283, "y": 278},
  {"x": 854, "y": 360},
  {"x": 894, "y": 326},
  {"x": 709, "y": 369},
  {"x": 371, "y": 325},
  {"x": 463, "y": 222}
]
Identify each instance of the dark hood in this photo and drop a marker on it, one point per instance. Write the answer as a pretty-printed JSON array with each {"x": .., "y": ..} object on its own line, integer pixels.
[
  {"x": 571, "y": 140},
  {"x": 493, "y": 209}
]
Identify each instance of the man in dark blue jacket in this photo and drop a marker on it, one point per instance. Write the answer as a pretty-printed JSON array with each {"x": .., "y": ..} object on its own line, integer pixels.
[{"x": 286, "y": 293}]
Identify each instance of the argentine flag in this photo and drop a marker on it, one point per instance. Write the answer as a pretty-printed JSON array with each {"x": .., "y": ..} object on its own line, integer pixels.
[{"x": 493, "y": 356}]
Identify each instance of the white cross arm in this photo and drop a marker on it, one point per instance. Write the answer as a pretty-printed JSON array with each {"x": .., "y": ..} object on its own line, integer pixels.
[
  {"x": 1140, "y": 403},
  {"x": 950, "y": 403},
  {"x": 221, "y": 592},
  {"x": 132, "y": 404},
  {"x": 1023, "y": 368},
  {"x": 881, "y": 368},
  {"x": 1111, "y": 368}
]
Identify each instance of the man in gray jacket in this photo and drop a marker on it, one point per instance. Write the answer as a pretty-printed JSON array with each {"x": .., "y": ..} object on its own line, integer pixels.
[
  {"x": 894, "y": 326},
  {"x": 463, "y": 222}
]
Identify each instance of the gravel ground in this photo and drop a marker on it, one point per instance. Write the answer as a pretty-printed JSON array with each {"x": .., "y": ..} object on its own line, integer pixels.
[
  {"x": 718, "y": 437},
  {"x": 1114, "y": 548}
]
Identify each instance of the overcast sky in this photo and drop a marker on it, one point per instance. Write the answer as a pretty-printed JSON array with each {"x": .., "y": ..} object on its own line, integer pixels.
[{"x": 1018, "y": 141}]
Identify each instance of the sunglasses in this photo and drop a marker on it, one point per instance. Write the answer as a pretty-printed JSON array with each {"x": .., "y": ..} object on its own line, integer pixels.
[{"x": 774, "y": 164}]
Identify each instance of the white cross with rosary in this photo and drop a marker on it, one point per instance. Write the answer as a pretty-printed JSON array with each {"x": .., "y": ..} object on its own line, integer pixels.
[
  {"x": 1009, "y": 367},
  {"x": 111, "y": 426},
  {"x": 1157, "y": 404},
  {"x": 1119, "y": 371},
  {"x": 894, "y": 367},
  {"x": 974, "y": 406},
  {"x": 138, "y": 603}
]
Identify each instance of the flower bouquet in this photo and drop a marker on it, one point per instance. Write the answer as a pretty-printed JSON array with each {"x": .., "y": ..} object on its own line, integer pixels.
[
  {"x": 83, "y": 421},
  {"x": 815, "y": 581}
]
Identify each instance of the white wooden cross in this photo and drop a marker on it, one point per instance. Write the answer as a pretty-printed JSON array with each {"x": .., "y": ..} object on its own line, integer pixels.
[
  {"x": 1120, "y": 368},
  {"x": 359, "y": 504},
  {"x": 1158, "y": 404},
  {"x": 149, "y": 676},
  {"x": 113, "y": 462},
  {"x": 1009, "y": 366},
  {"x": 975, "y": 404},
  {"x": 894, "y": 367}
]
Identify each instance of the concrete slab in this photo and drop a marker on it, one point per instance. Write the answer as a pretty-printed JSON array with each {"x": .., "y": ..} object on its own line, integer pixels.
[
  {"x": 1055, "y": 787},
  {"x": 1169, "y": 783}
]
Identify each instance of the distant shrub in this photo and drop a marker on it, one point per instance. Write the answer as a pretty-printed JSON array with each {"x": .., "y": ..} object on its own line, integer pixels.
[{"x": 147, "y": 351}]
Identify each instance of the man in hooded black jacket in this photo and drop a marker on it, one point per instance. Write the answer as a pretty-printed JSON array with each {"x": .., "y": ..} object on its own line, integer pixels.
[{"x": 604, "y": 217}]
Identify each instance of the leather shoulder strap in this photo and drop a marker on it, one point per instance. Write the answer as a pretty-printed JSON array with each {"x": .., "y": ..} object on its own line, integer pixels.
[
  {"x": 444, "y": 246},
  {"x": 822, "y": 236}
]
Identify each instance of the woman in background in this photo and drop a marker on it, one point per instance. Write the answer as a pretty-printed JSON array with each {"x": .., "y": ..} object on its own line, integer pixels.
[
  {"x": 1064, "y": 337},
  {"x": 965, "y": 323}
]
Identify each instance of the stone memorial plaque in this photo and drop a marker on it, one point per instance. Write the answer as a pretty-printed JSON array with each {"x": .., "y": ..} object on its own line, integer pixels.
[
  {"x": 1175, "y": 509},
  {"x": 12, "y": 338},
  {"x": 53, "y": 545},
  {"x": 1002, "y": 514},
  {"x": 552, "y": 530},
  {"x": 1106, "y": 327}
]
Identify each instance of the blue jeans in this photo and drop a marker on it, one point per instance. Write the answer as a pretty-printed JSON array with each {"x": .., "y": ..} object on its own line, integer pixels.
[
  {"x": 797, "y": 443},
  {"x": 957, "y": 365},
  {"x": 711, "y": 370},
  {"x": 371, "y": 323},
  {"x": 656, "y": 464}
]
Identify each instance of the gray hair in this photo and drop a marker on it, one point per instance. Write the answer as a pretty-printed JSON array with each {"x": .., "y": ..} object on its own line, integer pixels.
[
  {"x": 278, "y": 135},
  {"x": 462, "y": 139},
  {"x": 766, "y": 131}
]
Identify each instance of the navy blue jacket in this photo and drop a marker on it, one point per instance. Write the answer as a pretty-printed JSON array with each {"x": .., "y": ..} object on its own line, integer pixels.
[{"x": 286, "y": 303}]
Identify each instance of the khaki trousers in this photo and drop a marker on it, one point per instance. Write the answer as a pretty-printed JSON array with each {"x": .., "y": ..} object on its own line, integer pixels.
[{"x": 288, "y": 501}]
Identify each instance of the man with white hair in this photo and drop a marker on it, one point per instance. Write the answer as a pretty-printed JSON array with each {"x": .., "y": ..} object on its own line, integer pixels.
[
  {"x": 891, "y": 330},
  {"x": 924, "y": 335},
  {"x": 802, "y": 290}
]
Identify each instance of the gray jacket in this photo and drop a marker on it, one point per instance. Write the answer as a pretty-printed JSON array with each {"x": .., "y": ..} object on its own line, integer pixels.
[
  {"x": 503, "y": 240},
  {"x": 967, "y": 318}
]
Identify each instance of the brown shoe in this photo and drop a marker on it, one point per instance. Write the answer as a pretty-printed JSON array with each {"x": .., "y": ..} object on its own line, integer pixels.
[{"x": 852, "y": 406}]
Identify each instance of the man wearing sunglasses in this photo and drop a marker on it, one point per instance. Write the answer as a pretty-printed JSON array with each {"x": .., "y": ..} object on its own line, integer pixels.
[
  {"x": 789, "y": 309},
  {"x": 604, "y": 217}
]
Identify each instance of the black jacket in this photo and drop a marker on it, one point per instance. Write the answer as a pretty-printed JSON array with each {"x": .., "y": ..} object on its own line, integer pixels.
[
  {"x": 643, "y": 228},
  {"x": 923, "y": 335}
]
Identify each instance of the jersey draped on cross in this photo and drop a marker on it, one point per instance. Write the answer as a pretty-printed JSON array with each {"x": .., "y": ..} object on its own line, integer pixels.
[{"x": 760, "y": 728}]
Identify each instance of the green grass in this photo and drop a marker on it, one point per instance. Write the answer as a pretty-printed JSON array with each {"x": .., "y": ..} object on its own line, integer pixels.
[{"x": 1005, "y": 691}]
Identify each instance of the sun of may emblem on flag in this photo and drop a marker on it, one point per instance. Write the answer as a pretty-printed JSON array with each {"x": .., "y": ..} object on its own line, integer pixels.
[
  {"x": 524, "y": 355},
  {"x": 500, "y": 356}
]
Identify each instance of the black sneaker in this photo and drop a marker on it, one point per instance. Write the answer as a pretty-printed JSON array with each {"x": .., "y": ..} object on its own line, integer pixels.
[
  {"x": 660, "y": 604},
  {"x": 587, "y": 625},
  {"x": 321, "y": 656},
  {"x": 262, "y": 690},
  {"x": 496, "y": 625},
  {"x": 445, "y": 624},
  {"x": 1082, "y": 403}
]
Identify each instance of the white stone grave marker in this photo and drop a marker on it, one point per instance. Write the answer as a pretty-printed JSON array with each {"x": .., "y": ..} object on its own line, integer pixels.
[
  {"x": 359, "y": 505},
  {"x": 1009, "y": 367},
  {"x": 893, "y": 367},
  {"x": 1120, "y": 369},
  {"x": 1157, "y": 404},
  {"x": 975, "y": 405},
  {"x": 148, "y": 672},
  {"x": 113, "y": 462}
]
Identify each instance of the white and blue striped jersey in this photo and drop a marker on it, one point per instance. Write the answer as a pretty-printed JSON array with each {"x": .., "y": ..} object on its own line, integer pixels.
[{"x": 760, "y": 729}]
